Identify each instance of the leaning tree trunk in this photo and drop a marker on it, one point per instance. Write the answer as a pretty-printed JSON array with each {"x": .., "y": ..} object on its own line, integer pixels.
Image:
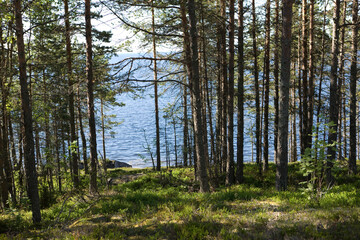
[
  {"x": 282, "y": 156},
  {"x": 90, "y": 100},
  {"x": 31, "y": 175}
]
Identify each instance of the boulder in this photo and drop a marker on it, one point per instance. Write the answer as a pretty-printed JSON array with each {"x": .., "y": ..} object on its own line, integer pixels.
[{"x": 122, "y": 164}]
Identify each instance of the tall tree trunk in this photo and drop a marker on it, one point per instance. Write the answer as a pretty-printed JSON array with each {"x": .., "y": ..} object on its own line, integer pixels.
[
  {"x": 321, "y": 70},
  {"x": 257, "y": 90},
  {"x": 267, "y": 87},
  {"x": 196, "y": 101},
  {"x": 341, "y": 80},
  {"x": 187, "y": 66},
  {"x": 304, "y": 143},
  {"x": 207, "y": 89},
  {"x": 276, "y": 76},
  {"x": 311, "y": 91},
  {"x": 230, "y": 165},
  {"x": 73, "y": 137},
  {"x": 353, "y": 82},
  {"x": 157, "y": 125},
  {"x": 240, "y": 95},
  {"x": 90, "y": 100},
  {"x": 224, "y": 84},
  {"x": 31, "y": 175},
  {"x": 5, "y": 166},
  {"x": 334, "y": 94},
  {"x": 282, "y": 157}
]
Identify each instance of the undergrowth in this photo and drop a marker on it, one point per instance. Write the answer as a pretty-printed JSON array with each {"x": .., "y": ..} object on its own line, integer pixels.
[{"x": 167, "y": 205}]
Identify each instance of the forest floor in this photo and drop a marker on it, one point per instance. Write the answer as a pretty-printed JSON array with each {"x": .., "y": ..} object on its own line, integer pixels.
[{"x": 142, "y": 204}]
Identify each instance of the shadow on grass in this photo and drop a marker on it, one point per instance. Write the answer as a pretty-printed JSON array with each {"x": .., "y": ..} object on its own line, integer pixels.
[{"x": 198, "y": 228}]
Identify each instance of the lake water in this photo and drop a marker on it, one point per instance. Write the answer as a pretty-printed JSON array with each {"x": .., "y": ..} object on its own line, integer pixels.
[{"x": 128, "y": 144}]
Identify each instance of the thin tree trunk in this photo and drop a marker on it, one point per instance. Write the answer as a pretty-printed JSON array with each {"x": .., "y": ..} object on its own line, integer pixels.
[
  {"x": 157, "y": 124},
  {"x": 8, "y": 177},
  {"x": 13, "y": 156},
  {"x": 334, "y": 95},
  {"x": 267, "y": 88},
  {"x": 57, "y": 154},
  {"x": 103, "y": 136},
  {"x": 230, "y": 165},
  {"x": 175, "y": 144},
  {"x": 294, "y": 128},
  {"x": 240, "y": 96},
  {"x": 282, "y": 161},
  {"x": 353, "y": 89},
  {"x": 257, "y": 93},
  {"x": 82, "y": 133},
  {"x": 187, "y": 66},
  {"x": 321, "y": 70},
  {"x": 31, "y": 175},
  {"x": 276, "y": 76},
  {"x": 73, "y": 137},
  {"x": 207, "y": 90},
  {"x": 311, "y": 91},
  {"x": 224, "y": 84},
  {"x": 341, "y": 79},
  {"x": 304, "y": 143},
  {"x": 90, "y": 98}
]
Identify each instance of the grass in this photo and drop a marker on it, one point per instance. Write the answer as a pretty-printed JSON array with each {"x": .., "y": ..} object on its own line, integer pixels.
[{"x": 168, "y": 206}]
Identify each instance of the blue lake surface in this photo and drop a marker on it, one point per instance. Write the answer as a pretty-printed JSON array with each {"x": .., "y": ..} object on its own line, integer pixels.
[{"x": 128, "y": 144}]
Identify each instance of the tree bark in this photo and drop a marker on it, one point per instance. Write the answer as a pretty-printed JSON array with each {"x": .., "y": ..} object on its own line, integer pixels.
[
  {"x": 224, "y": 85},
  {"x": 282, "y": 157},
  {"x": 276, "y": 76},
  {"x": 267, "y": 87},
  {"x": 73, "y": 137},
  {"x": 240, "y": 96},
  {"x": 157, "y": 124},
  {"x": 311, "y": 91},
  {"x": 187, "y": 66},
  {"x": 90, "y": 100},
  {"x": 31, "y": 175},
  {"x": 334, "y": 95},
  {"x": 304, "y": 142},
  {"x": 230, "y": 165},
  {"x": 196, "y": 101},
  {"x": 82, "y": 134},
  {"x": 257, "y": 90},
  {"x": 353, "y": 88}
]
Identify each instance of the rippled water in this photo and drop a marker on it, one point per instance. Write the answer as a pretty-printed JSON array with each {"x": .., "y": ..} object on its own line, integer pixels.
[{"x": 128, "y": 143}]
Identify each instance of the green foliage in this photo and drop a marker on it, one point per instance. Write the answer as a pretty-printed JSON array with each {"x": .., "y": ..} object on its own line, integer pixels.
[
  {"x": 167, "y": 205},
  {"x": 313, "y": 164}
]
